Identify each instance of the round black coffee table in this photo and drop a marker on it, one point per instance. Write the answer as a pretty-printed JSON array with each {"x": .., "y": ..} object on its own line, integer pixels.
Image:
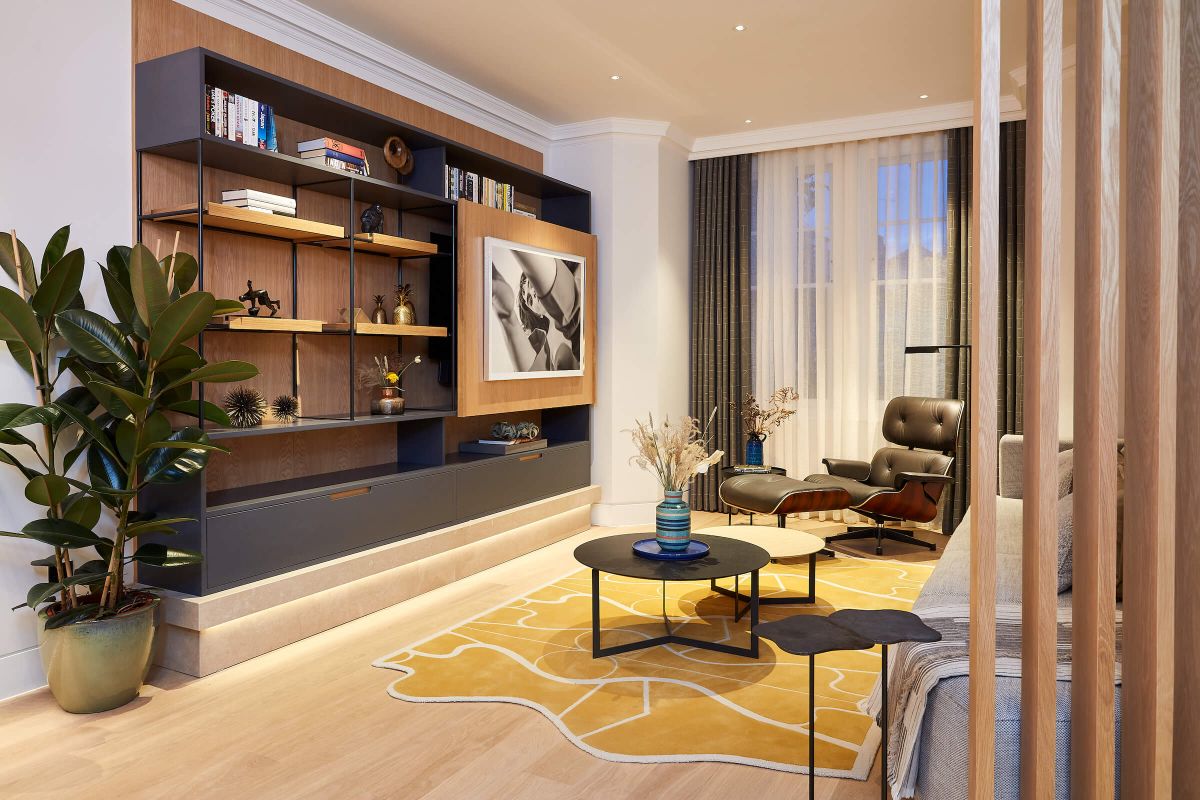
[{"x": 726, "y": 558}]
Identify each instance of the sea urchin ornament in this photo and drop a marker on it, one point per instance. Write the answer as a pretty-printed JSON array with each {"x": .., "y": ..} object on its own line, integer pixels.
[
  {"x": 245, "y": 407},
  {"x": 285, "y": 408}
]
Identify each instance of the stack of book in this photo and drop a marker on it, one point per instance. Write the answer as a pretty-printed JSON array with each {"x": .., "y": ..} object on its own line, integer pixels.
[
  {"x": 339, "y": 155},
  {"x": 239, "y": 119},
  {"x": 470, "y": 186},
  {"x": 502, "y": 447},
  {"x": 255, "y": 200}
]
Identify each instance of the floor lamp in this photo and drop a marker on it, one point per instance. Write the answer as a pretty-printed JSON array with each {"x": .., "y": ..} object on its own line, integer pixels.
[{"x": 947, "y": 521}]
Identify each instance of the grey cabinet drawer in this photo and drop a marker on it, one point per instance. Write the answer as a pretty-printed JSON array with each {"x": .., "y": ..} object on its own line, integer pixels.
[
  {"x": 494, "y": 485},
  {"x": 252, "y": 543}
]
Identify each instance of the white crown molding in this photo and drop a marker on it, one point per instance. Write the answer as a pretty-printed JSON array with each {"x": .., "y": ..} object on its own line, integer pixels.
[
  {"x": 621, "y": 126},
  {"x": 848, "y": 129},
  {"x": 295, "y": 25},
  {"x": 1020, "y": 75}
]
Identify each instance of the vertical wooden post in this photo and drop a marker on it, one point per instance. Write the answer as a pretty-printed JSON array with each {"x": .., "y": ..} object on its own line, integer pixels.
[
  {"x": 985, "y": 229},
  {"x": 1187, "y": 546},
  {"x": 1043, "y": 244},
  {"x": 1097, "y": 283},
  {"x": 1147, "y": 697}
]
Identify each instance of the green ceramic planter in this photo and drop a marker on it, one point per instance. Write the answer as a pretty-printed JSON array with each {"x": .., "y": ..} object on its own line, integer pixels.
[{"x": 97, "y": 666}]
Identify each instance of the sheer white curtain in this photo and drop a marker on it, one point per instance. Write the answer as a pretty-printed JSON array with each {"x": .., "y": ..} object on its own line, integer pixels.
[{"x": 847, "y": 269}]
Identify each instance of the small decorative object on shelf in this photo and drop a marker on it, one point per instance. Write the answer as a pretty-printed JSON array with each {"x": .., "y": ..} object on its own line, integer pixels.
[
  {"x": 359, "y": 315},
  {"x": 385, "y": 377},
  {"x": 397, "y": 155},
  {"x": 675, "y": 453},
  {"x": 372, "y": 219},
  {"x": 258, "y": 300},
  {"x": 285, "y": 408},
  {"x": 246, "y": 407},
  {"x": 759, "y": 422},
  {"x": 520, "y": 432},
  {"x": 332, "y": 153},
  {"x": 379, "y": 315},
  {"x": 508, "y": 438},
  {"x": 405, "y": 312}
]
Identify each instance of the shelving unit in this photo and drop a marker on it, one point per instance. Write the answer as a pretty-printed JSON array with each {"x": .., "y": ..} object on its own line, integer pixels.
[{"x": 361, "y": 479}]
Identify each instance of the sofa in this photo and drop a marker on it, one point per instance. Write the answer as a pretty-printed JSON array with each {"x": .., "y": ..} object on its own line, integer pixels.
[{"x": 942, "y": 749}]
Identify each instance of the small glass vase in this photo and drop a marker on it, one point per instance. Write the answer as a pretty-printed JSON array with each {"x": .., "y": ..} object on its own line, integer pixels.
[
  {"x": 388, "y": 400},
  {"x": 754, "y": 450},
  {"x": 673, "y": 522}
]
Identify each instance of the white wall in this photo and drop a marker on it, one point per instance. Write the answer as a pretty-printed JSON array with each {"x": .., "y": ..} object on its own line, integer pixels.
[
  {"x": 65, "y": 157},
  {"x": 639, "y": 185}
]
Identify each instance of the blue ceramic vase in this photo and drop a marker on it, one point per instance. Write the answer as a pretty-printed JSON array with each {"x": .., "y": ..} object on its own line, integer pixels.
[
  {"x": 754, "y": 450},
  {"x": 673, "y": 522}
]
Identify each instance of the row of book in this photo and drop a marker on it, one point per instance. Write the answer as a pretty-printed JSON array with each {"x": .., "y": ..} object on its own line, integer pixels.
[
  {"x": 470, "y": 186},
  {"x": 339, "y": 155},
  {"x": 254, "y": 200},
  {"x": 239, "y": 119}
]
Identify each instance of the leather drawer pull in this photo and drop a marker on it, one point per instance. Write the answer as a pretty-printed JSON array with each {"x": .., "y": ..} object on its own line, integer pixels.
[
  {"x": 531, "y": 457},
  {"x": 350, "y": 493}
]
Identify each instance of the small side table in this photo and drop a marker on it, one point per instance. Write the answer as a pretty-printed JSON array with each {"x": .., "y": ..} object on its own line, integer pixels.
[
  {"x": 848, "y": 629},
  {"x": 729, "y": 472}
]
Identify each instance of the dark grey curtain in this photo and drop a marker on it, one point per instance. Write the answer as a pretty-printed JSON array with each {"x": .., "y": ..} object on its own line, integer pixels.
[
  {"x": 720, "y": 306},
  {"x": 1011, "y": 361}
]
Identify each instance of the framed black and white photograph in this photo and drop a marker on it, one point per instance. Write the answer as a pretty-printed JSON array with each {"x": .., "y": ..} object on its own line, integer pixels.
[{"x": 534, "y": 320}]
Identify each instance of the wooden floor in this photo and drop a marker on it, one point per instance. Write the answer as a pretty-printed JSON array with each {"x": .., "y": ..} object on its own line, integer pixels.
[{"x": 314, "y": 720}]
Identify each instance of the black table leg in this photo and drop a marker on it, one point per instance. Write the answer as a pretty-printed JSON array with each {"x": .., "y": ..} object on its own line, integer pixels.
[
  {"x": 883, "y": 776},
  {"x": 812, "y": 577},
  {"x": 595, "y": 613},
  {"x": 812, "y": 726}
]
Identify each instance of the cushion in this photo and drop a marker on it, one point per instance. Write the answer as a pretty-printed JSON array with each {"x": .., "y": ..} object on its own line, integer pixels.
[
  {"x": 1066, "y": 540},
  {"x": 779, "y": 494},
  {"x": 1066, "y": 466}
]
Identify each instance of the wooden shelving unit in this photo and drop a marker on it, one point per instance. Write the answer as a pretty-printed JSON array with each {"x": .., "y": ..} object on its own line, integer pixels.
[
  {"x": 378, "y": 329},
  {"x": 232, "y": 218},
  {"x": 382, "y": 244},
  {"x": 339, "y": 478}
]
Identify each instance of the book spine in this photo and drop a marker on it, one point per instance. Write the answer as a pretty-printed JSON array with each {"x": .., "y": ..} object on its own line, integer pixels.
[
  {"x": 257, "y": 196},
  {"x": 230, "y": 115},
  {"x": 345, "y": 166},
  {"x": 208, "y": 118},
  {"x": 262, "y": 126},
  {"x": 251, "y": 132},
  {"x": 272, "y": 134},
  {"x": 239, "y": 115},
  {"x": 328, "y": 143},
  {"x": 333, "y": 154}
]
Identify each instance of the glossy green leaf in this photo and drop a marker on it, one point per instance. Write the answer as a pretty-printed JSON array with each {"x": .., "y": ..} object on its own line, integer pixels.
[
  {"x": 169, "y": 464},
  {"x": 186, "y": 269},
  {"x": 159, "y": 555},
  {"x": 155, "y": 525},
  {"x": 48, "y": 562},
  {"x": 119, "y": 297},
  {"x": 21, "y": 355},
  {"x": 117, "y": 261},
  {"x": 47, "y": 490},
  {"x": 112, "y": 404},
  {"x": 78, "y": 398},
  {"x": 60, "y": 286},
  {"x": 91, "y": 428},
  {"x": 228, "y": 307},
  {"x": 82, "y": 509},
  {"x": 18, "y": 415},
  {"x": 28, "y": 265},
  {"x": 147, "y": 284},
  {"x": 55, "y": 248},
  {"x": 181, "y": 359},
  {"x": 126, "y": 438},
  {"x": 105, "y": 471},
  {"x": 18, "y": 323},
  {"x": 155, "y": 427},
  {"x": 202, "y": 408},
  {"x": 13, "y": 461},
  {"x": 41, "y": 593},
  {"x": 218, "y": 372},
  {"x": 134, "y": 401},
  {"x": 95, "y": 338},
  {"x": 205, "y": 446},
  {"x": 179, "y": 322},
  {"x": 60, "y": 533},
  {"x": 80, "y": 614},
  {"x": 75, "y": 452}
]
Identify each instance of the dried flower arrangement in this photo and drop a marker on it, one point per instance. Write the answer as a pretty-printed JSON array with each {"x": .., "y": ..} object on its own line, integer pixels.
[
  {"x": 761, "y": 421},
  {"x": 386, "y": 372},
  {"x": 674, "y": 452}
]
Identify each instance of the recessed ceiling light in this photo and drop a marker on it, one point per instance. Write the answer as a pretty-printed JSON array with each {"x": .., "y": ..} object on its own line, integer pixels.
[
  {"x": 615, "y": 77},
  {"x": 739, "y": 28},
  {"x": 924, "y": 97},
  {"x": 748, "y": 122}
]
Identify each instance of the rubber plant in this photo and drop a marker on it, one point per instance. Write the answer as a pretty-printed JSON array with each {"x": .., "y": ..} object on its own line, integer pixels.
[{"x": 134, "y": 372}]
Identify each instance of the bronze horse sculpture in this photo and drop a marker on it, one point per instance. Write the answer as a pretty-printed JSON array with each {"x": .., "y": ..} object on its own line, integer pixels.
[{"x": 258, "y": 300}]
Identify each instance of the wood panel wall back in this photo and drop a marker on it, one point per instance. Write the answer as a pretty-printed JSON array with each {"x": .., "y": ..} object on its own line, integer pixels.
[
  {"x": 162, "y": 27},
  {"x": 476, "y": 395}
]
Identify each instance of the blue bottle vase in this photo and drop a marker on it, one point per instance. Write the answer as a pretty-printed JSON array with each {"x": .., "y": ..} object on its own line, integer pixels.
[
  {"x": 673, "y": 522},
  {"x": 754, "y": 450}
]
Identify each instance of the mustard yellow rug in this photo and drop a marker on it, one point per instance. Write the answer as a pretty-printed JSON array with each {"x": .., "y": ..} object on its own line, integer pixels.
[{"x": 671, "y": 703}]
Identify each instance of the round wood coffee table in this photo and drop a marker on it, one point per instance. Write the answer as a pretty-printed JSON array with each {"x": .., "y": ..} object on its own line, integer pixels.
[{"x": 779, "y": 543}]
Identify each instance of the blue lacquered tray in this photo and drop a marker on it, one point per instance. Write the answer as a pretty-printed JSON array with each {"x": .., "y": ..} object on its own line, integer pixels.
[{"x": 649, "y": 548}]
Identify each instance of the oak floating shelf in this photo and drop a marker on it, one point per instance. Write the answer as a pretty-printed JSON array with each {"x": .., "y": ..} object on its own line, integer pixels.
[
  {"x": 237, "y": 322},
  {"x": 383, "y": 244},
  {"x": 378, "y": 329},
  {"x": 232, "y": 218}
]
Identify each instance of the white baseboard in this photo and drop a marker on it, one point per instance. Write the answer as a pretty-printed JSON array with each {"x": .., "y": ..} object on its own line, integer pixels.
[
  {"x": 615, "y": 515},
  {"x": 21, "y": 672}
]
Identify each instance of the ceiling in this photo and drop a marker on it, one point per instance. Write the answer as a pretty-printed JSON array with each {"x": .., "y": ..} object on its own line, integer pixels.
[{"x": 681, "y": 61}]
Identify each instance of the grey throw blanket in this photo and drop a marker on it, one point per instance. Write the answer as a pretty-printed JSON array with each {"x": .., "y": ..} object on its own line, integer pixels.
[{"x": 916, "y": 669}]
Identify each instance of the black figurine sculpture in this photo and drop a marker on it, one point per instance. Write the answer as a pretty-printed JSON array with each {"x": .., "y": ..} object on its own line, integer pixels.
[
  {"x": 372, "y": 219},
  {"x": 258, "y": 300}
]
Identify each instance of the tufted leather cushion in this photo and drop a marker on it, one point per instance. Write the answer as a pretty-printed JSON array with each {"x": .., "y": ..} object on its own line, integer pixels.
[
  {"x": 930, "y": 423},
  {"x": 777, "y": 494},
  {"x": 890, "y": 461}
]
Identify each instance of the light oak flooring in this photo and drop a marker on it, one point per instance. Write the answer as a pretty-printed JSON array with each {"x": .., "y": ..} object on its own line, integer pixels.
[{"x": 314, "y": 720}]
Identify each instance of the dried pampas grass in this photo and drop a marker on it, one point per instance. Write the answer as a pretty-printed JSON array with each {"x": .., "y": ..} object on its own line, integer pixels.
[{"x": 673, "y": 452}]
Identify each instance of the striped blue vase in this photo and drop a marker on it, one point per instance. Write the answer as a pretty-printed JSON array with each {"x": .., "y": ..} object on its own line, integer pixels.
[{"x": 673, "y": 522}]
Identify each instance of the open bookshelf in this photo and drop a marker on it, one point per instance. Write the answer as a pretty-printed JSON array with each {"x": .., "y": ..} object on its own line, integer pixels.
[{"x": 367, "y": 479}]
